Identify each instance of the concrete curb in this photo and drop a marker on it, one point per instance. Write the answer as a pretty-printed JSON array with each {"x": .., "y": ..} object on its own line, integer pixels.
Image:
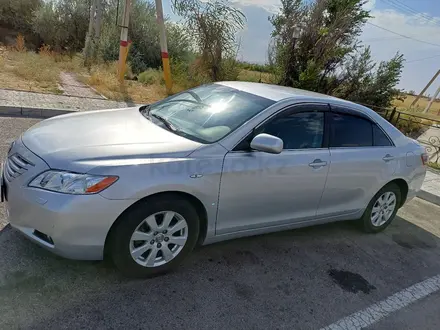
[
  {"x": 429, "y": 197},
  {"x": 17, "y": 111},
  {"x": 57, "y": 94}
]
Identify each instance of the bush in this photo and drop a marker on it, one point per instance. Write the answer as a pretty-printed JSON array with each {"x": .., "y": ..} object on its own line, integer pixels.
[
  {"x": 19, "y": 43},
  {"x": 255, "y": 76},
  {"x": 411, "y": 126},
  {"x": 188, "y": 74},
  {"x": 151, "y": 77},
  {"x": 104, "y": 79},
  {"x": 229, "y": 69},
  {"x": 255, "y": 67}
]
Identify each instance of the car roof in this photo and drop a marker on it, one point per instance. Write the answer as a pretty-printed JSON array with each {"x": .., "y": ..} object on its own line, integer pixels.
[
  {"x": 279, "y": 93},
  {"x": 273, "y": 92}
]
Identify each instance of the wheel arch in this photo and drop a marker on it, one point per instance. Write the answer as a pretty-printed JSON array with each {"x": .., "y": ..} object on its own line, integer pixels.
[
  {"x": 198, "y": 205},
  {"x": 404, "y": 188}
]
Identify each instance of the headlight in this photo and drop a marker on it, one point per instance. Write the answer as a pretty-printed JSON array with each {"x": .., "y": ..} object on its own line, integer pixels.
[{"x": 72, "y": 183}]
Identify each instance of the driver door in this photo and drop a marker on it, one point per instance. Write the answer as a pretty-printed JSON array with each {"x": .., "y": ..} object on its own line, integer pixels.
[{"x": 261, "y": 190}]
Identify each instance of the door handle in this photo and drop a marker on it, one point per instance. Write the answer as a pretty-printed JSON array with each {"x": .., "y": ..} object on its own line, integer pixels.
[
  {"x": 388, "y": 158},
  {"x": 318, "y": 163}
]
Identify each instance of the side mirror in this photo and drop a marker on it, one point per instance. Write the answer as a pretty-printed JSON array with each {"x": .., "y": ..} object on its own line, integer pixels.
[{"x": 267, "y": 143}]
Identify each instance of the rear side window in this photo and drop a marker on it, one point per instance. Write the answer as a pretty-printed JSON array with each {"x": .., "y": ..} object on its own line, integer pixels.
[
  {"x": 379, "y": 138},
  {"x": 350, "y": 131}
]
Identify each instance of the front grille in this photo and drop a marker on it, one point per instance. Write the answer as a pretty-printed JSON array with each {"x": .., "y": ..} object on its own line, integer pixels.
[{"x": 15, "y": 166}]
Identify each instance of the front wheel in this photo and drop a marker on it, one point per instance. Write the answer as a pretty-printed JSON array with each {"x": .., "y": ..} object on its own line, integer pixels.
[
  {"x": 154, "y": 236},
  {"x": 382, "y": 209}
]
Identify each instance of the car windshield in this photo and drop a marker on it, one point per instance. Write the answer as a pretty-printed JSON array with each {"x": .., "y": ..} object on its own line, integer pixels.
[{"x": 207, "y": 113}]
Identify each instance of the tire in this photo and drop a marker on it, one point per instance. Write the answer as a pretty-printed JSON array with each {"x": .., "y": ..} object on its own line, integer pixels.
[
  {"x": 121, "y": 244},
  {"x": 367, "y": 221}
]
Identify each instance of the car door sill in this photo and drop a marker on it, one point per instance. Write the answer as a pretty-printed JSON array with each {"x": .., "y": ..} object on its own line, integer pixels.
[{"x": 351, "y": 215}]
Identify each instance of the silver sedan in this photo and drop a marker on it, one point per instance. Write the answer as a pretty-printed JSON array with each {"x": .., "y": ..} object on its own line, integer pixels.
[{"x": 146, "y": 185}]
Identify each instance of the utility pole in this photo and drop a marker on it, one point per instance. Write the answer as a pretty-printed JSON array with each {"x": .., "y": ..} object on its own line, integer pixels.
[
  {"x": 432, "y": 100},
  {"x": 424, "y": 89},
  {"x": 164, "y": 47},
  {"x": 124, "y": 43}
]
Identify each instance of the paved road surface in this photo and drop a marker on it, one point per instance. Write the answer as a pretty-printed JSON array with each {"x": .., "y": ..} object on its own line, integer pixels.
[{"x": 280, "y": 280}]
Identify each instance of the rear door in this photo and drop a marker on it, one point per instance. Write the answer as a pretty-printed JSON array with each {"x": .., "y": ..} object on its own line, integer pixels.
[{"x": 363, "y": 159}]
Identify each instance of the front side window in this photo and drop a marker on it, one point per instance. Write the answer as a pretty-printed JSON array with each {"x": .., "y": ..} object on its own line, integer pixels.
[
  {"x": 304, "y": 130},
  {"x": 206, "y": 113},
  {"x": 350, "y": 131}
]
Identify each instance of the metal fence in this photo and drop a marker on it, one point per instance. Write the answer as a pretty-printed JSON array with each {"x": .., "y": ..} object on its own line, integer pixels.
[{"x": 425, "y": 131}]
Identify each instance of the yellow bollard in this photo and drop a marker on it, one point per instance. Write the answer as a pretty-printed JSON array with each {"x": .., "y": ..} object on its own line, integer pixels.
[
  {"x": 164, "y": 47},
  {"x": 124, "y": 48},
  {"x": 167, "y": 72}
]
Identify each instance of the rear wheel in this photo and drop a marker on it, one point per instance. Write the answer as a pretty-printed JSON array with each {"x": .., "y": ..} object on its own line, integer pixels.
[
  {"x": 154, "y": 236},
  {"x": 382, "y": 209}
]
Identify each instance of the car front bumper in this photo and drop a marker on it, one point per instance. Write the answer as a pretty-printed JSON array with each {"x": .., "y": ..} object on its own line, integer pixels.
[{"x": 72, "y": 226}]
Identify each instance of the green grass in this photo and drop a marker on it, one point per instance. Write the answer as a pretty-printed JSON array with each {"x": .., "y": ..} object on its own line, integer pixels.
[
  {"x": 434, "y": 165},
  {"x": 255, "y": 76}
]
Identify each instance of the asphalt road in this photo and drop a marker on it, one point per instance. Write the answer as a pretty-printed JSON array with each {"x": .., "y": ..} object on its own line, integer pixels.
[{"x": 299, "y": 279}]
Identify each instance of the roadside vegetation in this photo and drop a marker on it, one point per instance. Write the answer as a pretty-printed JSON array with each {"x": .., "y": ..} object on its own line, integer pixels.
[
  {"x": 314, "y": 46},
  {"x": 404, "y": 105},
  {"x": 24, "y": 70}
]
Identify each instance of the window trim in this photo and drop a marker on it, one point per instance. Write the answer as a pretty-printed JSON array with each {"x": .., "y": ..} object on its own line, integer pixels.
[
  {"x": 286, "y": 111},
  {"x": 339, "y": 109}
]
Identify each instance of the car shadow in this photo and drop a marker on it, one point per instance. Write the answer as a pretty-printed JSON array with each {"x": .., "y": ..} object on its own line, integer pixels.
[{"x": 304, "y": 278}]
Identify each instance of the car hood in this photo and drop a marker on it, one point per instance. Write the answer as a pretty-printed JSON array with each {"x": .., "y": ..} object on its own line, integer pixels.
[{"x": 79, "y": 142}]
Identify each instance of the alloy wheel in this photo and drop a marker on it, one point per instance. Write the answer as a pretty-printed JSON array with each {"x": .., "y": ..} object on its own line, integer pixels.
[
  {"x": 158, "y": 239},
  {"x": 383, "y": 208}
]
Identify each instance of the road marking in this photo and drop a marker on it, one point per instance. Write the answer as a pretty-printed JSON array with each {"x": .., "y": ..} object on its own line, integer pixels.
[{"x": 378, "y": 311}]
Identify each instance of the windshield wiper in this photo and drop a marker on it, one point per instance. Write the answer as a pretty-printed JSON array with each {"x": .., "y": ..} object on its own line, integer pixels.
[
  {"x": 166, "y": 122},
  {"x": 145, "y": 109}
]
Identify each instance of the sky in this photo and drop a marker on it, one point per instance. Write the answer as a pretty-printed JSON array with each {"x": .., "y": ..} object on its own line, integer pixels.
[{"x": 412, "y": 19}]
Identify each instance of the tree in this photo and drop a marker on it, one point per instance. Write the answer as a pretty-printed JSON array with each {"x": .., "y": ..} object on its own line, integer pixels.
[
  {"x": 62, "y": 24},
  {"x": 18, "y": 14},
  {"x": 315, "y": 47},
  {"x": 214, "y": 26},
  {"x": 326, "y": 32},
  {"x": 368, "y": 82},
  {"x": 382, "y": 90}
]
